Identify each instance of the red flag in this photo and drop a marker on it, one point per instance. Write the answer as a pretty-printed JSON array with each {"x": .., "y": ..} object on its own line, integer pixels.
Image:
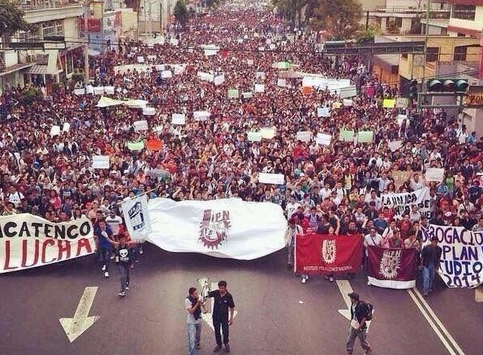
[
  {"x": 224, "y": 53},
  {"x": 324, "y": 254},
  {"x": 392, "y": 268}
]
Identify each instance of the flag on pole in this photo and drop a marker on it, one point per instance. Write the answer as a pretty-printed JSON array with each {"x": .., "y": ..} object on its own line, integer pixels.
[{"x": 136, "y": 216}]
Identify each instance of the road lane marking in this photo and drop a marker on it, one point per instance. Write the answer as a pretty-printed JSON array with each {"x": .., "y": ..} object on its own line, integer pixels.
[
  {"x": 81, "y": 321},
  {"x": 479, "y": 294},
  {"x": 345, "y": 288},
  {"x": 442, "y": 333}
]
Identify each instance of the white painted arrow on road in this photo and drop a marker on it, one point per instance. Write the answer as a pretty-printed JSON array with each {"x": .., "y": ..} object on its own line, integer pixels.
[
  {"x": 81, "y": 321},
  {"x": 208, "y": 316},
  {"x": 345, "y": 288}
]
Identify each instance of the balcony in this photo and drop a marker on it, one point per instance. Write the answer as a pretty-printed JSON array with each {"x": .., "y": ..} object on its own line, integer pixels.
[
  {"x": 436, "y": 12},
  {"x": 30, "y": 5}
]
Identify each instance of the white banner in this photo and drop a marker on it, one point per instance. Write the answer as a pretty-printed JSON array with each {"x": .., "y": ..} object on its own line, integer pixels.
[
  {"x": 267, "y": 178},
  {"x": 403, "y": 202},
  {"x": 201, "y": 115},
  {"x": 140, "y": 125},
  {"x": 100, "y": 162},
  {"x": 462, "y": 255},
  {"x": 226, "y": 228},
  {"x": 28, "y": 241},
  {"x": 136, "y": 215},
  {"x": 178, "y": 119}
]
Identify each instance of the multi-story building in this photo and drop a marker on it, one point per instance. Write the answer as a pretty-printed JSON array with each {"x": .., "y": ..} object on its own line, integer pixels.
[{"x": 405, "y": 16}]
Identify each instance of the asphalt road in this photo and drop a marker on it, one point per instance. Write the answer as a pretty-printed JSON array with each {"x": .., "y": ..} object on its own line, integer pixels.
[{"x": 276, "y": 314}]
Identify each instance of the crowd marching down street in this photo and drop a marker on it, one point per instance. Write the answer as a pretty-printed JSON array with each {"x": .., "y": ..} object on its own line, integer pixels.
[{"x": 220, "y": 109}]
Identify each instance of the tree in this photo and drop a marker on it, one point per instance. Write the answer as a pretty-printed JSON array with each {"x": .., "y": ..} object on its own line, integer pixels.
[
  {"x": 339, "y": 18},
  {"x": 11, "y": 20},
  {"x": 181, "y": 12},
  {"x": 297, "y": 12},
  {"x": 367, "y": 35}
]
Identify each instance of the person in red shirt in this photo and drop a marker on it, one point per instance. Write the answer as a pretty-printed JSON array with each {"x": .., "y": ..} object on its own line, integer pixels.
[{"x": 405, "y": 226}]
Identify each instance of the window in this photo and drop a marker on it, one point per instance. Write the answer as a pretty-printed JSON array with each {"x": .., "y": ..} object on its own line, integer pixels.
[
  {"x": 432, "y": 54},
  {"x": 464, "y": 12},
  {"x": 52, "y": 28},
  {"x": 460, "y": 53}
]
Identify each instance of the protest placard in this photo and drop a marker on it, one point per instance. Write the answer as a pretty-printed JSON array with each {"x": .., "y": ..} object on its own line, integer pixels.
[
  {"x": 233, "y": 94},
  {"x": 400, "y": 177},
  {"x": 259, "y": 88},
  {"x": 201, "y": 115},
  {"x": 266, "y": 178},
  {"x": 260, "y": 74},
  {"x": 336, "y": 105},
  {"x": 99, "y": 90},
  {"x": 149, "y": 111},
  {"x": 79, "y": 92},
  {"x": 323, "y": 112},
  {"x": 388, "y": 103},
  {"x": 250, "y": 62},
  {"x": 346, "y": 135},
  {"x": 323, "y": 139},
  {"x": 365, "y": 136},
  {"x": 89, "y": 89},
  {"x": 154, "y": 144},
  {"x": 178, "y": 119},
  {"x": 66, "y": 127},
  {"x": 100, "y": 162},
  {"x": 347, "y": 102},
  {"x": 254, "y": 136},
  {"x": 178, "y": 69},
  {"x": 135, "y": 145},
  {"x": 55, "y": 131},
  {"x": 219, "y": 79},
  {"x": 281, "y": 82},
  {"x": 109, "y": 90},
  {"x": 394, "y": 145},
  {"x": 166, "y": 74},
  {"x": 434, "y": 174},
  {"x": 140, "y": 125},
  {"x": 140, "y": 59},
  {"x": 304, "y": 136},
  {"x": 247, "y": 95},
  {"x": 160, "y": 67},
  {"x": 206, "y": 76},
  {"x": 268, "y": 132}
]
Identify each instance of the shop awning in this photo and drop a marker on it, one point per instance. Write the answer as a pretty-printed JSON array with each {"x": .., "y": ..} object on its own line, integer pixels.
[{"x": 42, "y": 70}]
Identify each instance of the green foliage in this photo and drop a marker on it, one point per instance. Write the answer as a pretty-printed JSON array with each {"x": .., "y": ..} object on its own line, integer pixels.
[
  {"x": 297, "y": 12},
  {"x": 30, "y": 95},
  {"x": 367, "y": 35},
  {"x": 11, "y": 18},
  {"x": 392, "y": 27},
  {"x": 181, "y": 12},
  {"x": 339, "y": 18}
]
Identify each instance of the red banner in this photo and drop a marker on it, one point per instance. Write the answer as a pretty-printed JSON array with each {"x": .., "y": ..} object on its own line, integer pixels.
[
  {"x": 392, "y": 268},
  {"x": 324, "y": 254}
]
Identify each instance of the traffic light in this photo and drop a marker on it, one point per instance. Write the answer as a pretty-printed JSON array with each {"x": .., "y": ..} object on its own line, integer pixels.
[
  {"x": 447, "y": 85},
  {"x": 413, "y": 89}
]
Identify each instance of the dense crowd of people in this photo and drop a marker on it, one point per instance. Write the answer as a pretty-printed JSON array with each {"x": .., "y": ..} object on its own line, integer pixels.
[{"x": 331, "y": 189}]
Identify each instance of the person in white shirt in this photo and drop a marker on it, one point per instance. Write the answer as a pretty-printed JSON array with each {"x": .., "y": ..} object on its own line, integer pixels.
[
  {"x": 114, "y": 222},
  {"x": 291, "y": 207},
  {"x": 372, "y": 239},
  {"x": 325, "y": 192}
]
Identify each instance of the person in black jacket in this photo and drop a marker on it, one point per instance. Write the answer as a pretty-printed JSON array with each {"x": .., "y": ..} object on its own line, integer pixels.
[
  {"x": 358, "y": 327},
  {"x": 223, "y": 304}
]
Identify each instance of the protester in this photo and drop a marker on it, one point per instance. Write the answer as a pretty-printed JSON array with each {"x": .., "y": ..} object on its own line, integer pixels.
[
  {"x": 124, "y": 253},
  {"x": 194, "y": 306},
  {"x": 430, "y": 260},
  {"x": 293, "y": 230},
  {"x": 103, "y": 235},
  {"x": 358, "y": 326},
  {"x": 223, "y": 312}
]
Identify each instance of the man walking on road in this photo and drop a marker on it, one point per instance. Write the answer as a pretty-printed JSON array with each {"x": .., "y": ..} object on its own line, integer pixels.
[
  {"x": 358, "y": 327},
  {"x": 124, "y": 253},
  {"x": 223, "y": 301},
  {"x": 194, "y": 305},
  {"x": 430, "y": 259}
]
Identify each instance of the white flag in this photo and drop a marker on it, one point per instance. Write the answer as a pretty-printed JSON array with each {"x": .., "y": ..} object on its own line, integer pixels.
[
  {"x": 225, "y": 228},
  {"x": 136, "y": 215}
]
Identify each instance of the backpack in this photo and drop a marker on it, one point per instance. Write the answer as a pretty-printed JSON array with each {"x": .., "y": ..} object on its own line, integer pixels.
[{"x": 369, "y": 311}]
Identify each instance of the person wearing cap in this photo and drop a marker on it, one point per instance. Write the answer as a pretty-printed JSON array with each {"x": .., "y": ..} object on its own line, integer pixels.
[
  {"x": 358, "y": 326},
  {"x": 430, "y": 261}
]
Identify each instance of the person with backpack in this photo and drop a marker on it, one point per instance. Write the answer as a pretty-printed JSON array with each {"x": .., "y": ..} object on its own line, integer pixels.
[
  {"x": 361, "y": 312},
  {"x": 194, "y": 306}
]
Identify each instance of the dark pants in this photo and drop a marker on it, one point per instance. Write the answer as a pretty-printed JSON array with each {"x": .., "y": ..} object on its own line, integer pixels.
[
  {"x": 125, "y": 270},
  {"x": 220, "y": 324},
  {"x": 105, "y": 256}
]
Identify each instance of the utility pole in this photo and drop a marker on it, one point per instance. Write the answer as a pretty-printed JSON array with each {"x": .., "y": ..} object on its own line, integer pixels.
[
  {"x": 87, "y": 38},
  {"x": 426, "y": 34},
  {"x": 161, "y": 17}
]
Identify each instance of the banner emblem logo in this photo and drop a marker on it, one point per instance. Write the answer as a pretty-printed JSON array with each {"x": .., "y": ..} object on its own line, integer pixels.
[
  {"x": 136, "y": 216},
  {"x": 329, "y": 251},
  {"x": 390, "y": 263},
  {"x": 214, "y": 228}
]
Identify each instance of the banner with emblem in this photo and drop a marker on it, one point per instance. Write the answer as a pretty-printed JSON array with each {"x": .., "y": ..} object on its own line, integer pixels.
[
  {"x": 224, "y": 228},
  {"x": 391, "y": 268},
  {"x": 324, "y": 254},
  {"x": 136, "y": 216}
]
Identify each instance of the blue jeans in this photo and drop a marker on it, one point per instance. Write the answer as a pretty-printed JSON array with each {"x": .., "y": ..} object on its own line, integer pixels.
[
  {"x": 428, "y": 277},
  {"x": 194, "y": 335}
]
